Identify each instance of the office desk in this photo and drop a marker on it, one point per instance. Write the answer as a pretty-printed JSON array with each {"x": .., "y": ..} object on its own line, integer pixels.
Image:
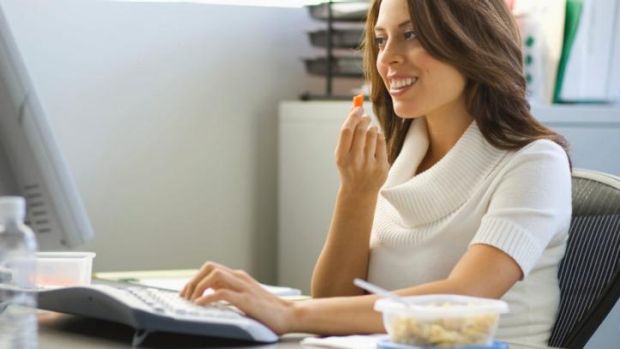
[{"x": 60, "y": 331}]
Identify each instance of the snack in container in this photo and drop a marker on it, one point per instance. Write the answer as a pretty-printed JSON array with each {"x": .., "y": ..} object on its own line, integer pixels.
[{"x": 442, "y": 320}]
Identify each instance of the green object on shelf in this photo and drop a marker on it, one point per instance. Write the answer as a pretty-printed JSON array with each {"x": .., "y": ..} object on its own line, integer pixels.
[
  {"x": 529, "y": 42},
  {"x": 574, "y": 8},
  {"x": 528, "y": 78}
]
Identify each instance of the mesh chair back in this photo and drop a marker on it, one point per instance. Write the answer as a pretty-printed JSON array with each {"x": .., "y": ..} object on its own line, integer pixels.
[{"x": 589, "y": 274}]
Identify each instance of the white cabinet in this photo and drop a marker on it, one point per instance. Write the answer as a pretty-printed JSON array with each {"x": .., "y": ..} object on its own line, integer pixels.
[
  {"x": 307, "y": 184},
  {"x": 308, "y": 178}
]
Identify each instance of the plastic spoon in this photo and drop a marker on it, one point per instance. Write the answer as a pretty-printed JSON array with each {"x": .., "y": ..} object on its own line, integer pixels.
[{"x": 372, "y": 288}]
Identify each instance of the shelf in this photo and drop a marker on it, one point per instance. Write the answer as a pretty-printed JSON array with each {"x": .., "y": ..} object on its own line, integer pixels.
[
  {"x": 307, "y": 97},
  {"x": 341, "y": 38},
  {"x": 578, "y": 114},
  {"x": 341, "y": 11},
  {"x": 346, "y": 67},
  {"x": 333, "y": 66}
]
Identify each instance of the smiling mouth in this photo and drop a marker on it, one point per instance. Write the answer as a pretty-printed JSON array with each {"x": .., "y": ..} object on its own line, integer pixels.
[{"x": 399, "y": 85}]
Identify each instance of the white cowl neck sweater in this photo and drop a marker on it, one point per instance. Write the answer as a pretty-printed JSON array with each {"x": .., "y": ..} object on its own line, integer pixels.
[{"x": 517, "y": 201}]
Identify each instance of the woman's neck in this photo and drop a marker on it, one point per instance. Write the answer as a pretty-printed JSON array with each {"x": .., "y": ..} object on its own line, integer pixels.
[{"x": 444, "y": 128}]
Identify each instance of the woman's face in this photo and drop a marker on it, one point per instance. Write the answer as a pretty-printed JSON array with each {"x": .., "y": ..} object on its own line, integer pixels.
[{"x": 418, "y": 83}]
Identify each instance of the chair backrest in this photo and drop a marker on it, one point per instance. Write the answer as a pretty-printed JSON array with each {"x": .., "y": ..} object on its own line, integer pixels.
[{"x": 589, "y": 274}]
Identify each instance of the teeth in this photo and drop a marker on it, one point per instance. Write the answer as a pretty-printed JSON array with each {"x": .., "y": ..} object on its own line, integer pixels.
[{"x": 400, "y": 83}]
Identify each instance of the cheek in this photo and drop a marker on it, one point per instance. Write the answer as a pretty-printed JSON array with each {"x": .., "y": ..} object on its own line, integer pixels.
[
  {"x": 442, "y": 77},
  {"x": 423, "y": 60},
  {"x": 381, "y": 68}
]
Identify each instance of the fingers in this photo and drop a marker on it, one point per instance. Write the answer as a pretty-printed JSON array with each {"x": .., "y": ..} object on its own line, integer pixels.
[
  {"x": 218, "y": 279},
  {"x": 366, "y": 143},
  {"x": 359, "y": 138},
  {"x": 381, "y": 149},
  {"x": 347, "y": 130},
  {"x": 230, "y": 296},
  {"x": 188, "y": 289},
  {"x": 371, "y": 142},
  {"x": 205, "y": 270}
]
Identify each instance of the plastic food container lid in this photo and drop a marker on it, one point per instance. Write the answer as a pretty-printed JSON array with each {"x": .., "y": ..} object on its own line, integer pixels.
[
  {"x": 443, "y": 305},
  {"x": 387, "y": 344},
  {"x": 69, "y": 255},
  {"x": 62, "y": 269}
]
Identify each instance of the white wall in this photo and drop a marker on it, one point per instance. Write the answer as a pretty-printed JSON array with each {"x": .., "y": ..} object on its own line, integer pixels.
[{"x": 167, "y": 116}]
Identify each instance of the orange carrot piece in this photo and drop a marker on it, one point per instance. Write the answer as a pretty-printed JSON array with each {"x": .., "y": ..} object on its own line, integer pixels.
[{"x": 358, "y": 100}]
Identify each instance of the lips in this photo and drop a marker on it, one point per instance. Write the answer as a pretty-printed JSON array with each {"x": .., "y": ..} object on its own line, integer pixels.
[{"x": 398, "y": 85}]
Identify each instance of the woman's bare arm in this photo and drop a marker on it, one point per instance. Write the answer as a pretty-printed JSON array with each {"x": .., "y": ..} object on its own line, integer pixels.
[
  {"x": 483, "y": 271},
  {"x": 345, "y": 253},
  {"x": 362, "y": 164}
]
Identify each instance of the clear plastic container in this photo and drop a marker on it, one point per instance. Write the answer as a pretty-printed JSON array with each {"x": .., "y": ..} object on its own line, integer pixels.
[
  {"x": 442, "y": 320},
  {"x": 18, "y": 318},
  {"x": 62, "y": 269}
]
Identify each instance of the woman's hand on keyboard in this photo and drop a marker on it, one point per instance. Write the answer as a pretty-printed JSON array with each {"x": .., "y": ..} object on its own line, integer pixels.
[{"x": 241, "y": 290}]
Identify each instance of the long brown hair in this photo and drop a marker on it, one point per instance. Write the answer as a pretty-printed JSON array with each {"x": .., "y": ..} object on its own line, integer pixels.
[{"x": 480, "y": 38}]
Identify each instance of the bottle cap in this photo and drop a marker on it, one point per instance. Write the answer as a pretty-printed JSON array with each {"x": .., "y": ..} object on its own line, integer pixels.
[{"x": 12, "y": 207}]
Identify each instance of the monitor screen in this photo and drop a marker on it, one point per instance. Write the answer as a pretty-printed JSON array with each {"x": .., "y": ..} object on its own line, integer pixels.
[{"x": 31, "y": 164}]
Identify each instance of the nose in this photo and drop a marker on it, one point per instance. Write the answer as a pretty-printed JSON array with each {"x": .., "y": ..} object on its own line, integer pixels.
[{"x": 391, "y": 53}]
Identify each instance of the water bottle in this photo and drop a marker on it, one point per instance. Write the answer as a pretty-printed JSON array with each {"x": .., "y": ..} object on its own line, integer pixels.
[{"x": 18, "y": 321}]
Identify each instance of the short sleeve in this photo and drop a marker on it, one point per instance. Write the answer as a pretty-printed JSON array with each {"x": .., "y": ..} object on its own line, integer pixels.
[{"x": 531, "y": 204}]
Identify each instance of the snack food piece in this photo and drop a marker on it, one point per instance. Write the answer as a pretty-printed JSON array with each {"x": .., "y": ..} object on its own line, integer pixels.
[
  {"x": 358, "y": 100},
  {"x": 444, "y": 332}
]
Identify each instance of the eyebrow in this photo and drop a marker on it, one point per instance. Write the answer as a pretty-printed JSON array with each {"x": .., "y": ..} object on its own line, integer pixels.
[{"x": 403, "y": 24}]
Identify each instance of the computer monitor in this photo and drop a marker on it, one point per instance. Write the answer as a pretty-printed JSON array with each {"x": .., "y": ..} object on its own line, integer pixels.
[{"x": 31, "y": 164}]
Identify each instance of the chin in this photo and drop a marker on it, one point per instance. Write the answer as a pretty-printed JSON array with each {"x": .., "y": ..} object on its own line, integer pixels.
[{"x": 407, "y": 112}]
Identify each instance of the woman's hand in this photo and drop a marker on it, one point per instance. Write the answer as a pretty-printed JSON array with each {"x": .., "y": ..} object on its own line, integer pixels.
[
  {"x": 361, "y": 154},
  {"x": 241, "y": 290}
]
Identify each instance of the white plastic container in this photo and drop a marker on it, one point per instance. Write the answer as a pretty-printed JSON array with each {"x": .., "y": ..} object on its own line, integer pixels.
[
  {"x": 62, "y": 269},
  {"x": 442, "y": 320}
]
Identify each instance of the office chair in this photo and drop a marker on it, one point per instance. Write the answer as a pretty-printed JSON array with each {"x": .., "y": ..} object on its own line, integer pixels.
[{"x": 589, "y": 274}]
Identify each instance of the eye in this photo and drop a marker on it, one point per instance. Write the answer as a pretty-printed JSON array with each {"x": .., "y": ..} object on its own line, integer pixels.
[
  {"x": 380, "y": 41},
  {"x": 410, "y": 35}
]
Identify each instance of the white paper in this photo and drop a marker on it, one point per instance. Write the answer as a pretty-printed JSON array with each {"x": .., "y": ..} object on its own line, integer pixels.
[{"x": 346, "y": 342}]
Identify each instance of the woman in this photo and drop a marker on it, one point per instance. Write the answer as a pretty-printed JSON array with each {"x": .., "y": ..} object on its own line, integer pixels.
[{"x": 477, "y": 200}]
